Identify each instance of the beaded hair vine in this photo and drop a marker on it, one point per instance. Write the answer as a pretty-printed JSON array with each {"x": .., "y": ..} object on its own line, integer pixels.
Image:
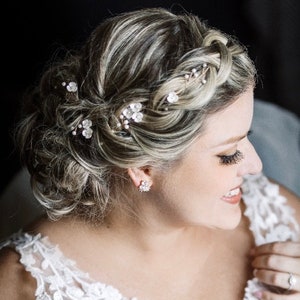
[
  {"x": 71, "y": 86},
  {"x": 195, "y": 73},
  {"x": 133, "y": 112},
  {"x": 84, "y": 128}
]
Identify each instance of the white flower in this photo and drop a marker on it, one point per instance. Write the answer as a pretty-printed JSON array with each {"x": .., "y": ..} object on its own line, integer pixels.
[
  {"x": 131, "y": 113},
  {"x": 172, "y": 97}
]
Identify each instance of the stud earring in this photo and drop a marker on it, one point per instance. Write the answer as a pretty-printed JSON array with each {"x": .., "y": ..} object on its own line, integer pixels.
[{"x": 144, "y": 186}]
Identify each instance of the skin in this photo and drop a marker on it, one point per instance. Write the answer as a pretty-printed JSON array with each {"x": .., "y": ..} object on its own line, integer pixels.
[
  {"x": 205, "y": 204},
  {"x": 203, "y": 177},
  {"x": 147, "y": 256}
]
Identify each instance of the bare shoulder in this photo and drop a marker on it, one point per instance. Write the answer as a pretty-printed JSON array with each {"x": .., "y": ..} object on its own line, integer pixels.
[
  {"x": 15, "y": 282},
  {"x": 292, "y": 199}
]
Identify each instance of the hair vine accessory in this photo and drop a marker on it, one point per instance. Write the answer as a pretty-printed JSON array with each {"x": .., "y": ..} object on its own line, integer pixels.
[
  {"x": 172, "y": 97},
  {"x": 195, "y": 73},
  {"x": 132, "y": 113},
  {"x": 85, "y": 127},
  {"x": 144, "y": 186},
  {"x": 71, "y": 86}
]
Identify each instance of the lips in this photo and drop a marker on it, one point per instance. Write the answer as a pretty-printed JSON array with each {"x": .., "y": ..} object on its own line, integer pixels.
[{"x": 233, "y": 196}]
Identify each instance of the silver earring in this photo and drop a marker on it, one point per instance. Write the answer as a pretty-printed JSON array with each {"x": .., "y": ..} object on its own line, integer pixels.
[{"x": 144, "y": 186}]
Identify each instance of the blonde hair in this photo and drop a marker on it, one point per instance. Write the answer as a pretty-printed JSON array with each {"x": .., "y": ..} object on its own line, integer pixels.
[{"x": 135, "y": 57}]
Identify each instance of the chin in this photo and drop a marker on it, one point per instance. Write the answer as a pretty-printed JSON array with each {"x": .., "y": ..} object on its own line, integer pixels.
[{"x": 231, "y": 222}]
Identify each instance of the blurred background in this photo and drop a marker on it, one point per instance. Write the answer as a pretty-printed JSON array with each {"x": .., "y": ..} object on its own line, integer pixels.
[{"x": 34, "y": 32}]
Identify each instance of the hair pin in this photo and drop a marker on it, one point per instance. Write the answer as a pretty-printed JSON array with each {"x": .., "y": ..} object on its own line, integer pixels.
[
  {"x": 71, "y": 86},
  {"x": 132, "y": 113},
  {"x": 172, "y": 97},
  {"x": 85, "y": 127},
  {"x": 195, "y": 73}
]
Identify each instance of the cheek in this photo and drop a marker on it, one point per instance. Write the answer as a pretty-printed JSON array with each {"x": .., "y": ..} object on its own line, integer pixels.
[
  {"x": 199, "y": 187},
  {"x": 210, "y": 177},
  {"x": 196, "y": 200},
  {"x": 211, "y": 181}
]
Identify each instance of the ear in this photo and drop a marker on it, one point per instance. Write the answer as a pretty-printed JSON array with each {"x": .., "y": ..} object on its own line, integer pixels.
[{"x": 138, "y": 175}]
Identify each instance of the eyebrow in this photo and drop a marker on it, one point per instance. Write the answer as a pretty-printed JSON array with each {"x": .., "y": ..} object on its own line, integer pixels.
[{"x": 234, "y": 139}]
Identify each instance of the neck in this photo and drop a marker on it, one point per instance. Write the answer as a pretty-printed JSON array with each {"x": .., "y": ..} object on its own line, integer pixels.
[{"x": 154, "y": 236}]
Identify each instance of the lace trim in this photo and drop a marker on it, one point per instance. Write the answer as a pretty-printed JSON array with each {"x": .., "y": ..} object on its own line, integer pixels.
[
  {"x": 57, "y": 278},
  {"x": 270, "y": 219}
]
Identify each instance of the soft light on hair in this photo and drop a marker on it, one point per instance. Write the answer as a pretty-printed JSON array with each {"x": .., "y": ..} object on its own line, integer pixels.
[{"x": 134, "y": 57}]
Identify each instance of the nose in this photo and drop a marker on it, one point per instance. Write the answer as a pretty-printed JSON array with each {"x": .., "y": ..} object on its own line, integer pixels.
[{"x": 251, "y": 164}]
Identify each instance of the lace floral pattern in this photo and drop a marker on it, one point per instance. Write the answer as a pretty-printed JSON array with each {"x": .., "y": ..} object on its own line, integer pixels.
[
  {"x": 58, "y": 278},
  {"x": 270, "y": 219}
]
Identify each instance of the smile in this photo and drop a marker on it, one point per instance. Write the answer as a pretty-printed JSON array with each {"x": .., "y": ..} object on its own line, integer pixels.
[
  {"x": 233, "y": 192},
  {"x": 233, "y": 196}
]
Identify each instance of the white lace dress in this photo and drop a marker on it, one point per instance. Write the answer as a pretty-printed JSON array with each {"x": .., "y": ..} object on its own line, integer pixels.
[{"x": 58, "y": 278}]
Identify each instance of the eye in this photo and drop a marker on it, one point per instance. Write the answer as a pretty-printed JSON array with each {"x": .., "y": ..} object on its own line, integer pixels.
[{"x": 231, "y": 159}]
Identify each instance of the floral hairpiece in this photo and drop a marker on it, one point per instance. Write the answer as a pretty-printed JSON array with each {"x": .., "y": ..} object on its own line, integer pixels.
[
  {"x": 132, "y": 113},
  {"x": 85, "y": 129},
  {"x": 195, "y": 73},
  {"x": 85, "y": 125},
  {"x": 71, "y": 86},
  {"x": 172, "y": 97}
]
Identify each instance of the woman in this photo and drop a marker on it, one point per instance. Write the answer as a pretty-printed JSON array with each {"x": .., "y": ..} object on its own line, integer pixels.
[{"x": 137, "y": 148}]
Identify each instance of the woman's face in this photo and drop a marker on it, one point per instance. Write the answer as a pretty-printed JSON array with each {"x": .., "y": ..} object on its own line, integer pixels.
[{"x": 204, "y": 189}]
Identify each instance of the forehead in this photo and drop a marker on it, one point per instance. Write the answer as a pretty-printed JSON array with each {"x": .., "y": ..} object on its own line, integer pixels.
[{"x": 233, "y": 121}]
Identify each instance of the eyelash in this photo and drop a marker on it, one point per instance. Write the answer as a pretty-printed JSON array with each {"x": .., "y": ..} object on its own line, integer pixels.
[{"x": 231, "y": 159}]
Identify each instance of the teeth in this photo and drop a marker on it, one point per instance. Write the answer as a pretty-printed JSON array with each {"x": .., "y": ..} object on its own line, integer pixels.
[{"x": 233, "y": 192}]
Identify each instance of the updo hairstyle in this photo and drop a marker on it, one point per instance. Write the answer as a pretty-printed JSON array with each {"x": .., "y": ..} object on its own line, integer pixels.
[{"x": 139, "y": 57}]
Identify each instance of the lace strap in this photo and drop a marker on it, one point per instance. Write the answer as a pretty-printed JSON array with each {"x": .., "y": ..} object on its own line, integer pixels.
[
  {"x": 270, "y": 218},
  {"x": 57, "y": 277}
]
